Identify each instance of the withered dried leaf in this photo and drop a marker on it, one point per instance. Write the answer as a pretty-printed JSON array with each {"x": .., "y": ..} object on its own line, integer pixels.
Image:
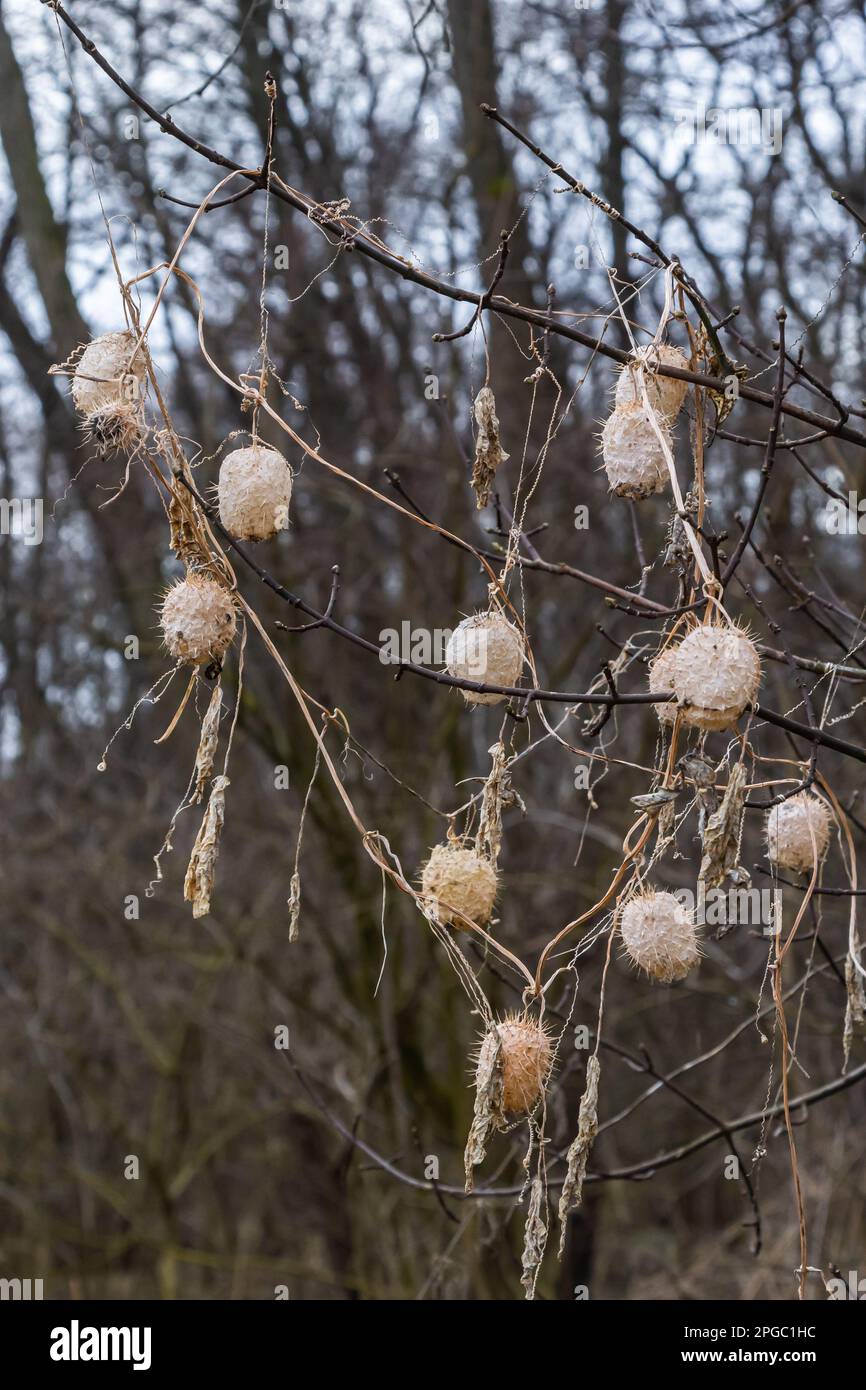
[
  {"x": 489, "y": 454},
  {"x": 182, "y": 537},
  {"x": 579, "y": 1150},
  {"x": 207, "y": 745},
  {"x": 489, "y": 1115},
  {"x": 855, "y": 1008},
  {"x": 294, "y": 906},
  {"x": 534, "y": 1237},
  {"x": 498, "y": 796},
  {"x": 198, "y": 884},
  {"x": 723, "y": 832}
]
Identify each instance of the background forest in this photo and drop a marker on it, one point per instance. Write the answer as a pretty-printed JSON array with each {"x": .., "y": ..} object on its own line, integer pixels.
[{"x": 129, "y": 1029}]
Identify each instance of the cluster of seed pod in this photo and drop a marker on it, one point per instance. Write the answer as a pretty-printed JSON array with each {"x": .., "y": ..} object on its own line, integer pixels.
[
  {"x": 197, "y": 613},
  {"x": 714, "y": 672},
  {"x": 632, "y": 444},
  {"x": 108, "y": 391}
]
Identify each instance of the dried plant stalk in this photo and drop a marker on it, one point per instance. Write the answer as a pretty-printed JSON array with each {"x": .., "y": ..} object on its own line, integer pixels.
[
  {"x": 198, "y": 884},
  {"x": 489, "y": 454},
  {"x": 579, "y": 1150}
]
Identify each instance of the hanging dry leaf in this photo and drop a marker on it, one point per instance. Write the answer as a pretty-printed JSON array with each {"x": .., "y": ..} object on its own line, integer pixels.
[
  {"x": 534, "y": 1238},
  {"x": 294, "y": 905},
  {"x": 489, "y": 454},
  {"x": 207, "y": 745},
  {"x": 489, "y": 1115},
  {"x": 498, "y": 796},
  {"x": 723, "y": 832},
  {"x": 578, "y": 1153},
  {"x": 855, "y": 1009},
  {"x": 182, "y": 537},
  {"x": 198, "y": 884}
]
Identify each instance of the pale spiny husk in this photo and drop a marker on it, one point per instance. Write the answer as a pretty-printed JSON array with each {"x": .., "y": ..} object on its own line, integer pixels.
[
  {"x": 579, "y": 1149},
  {"x": 459, "y": 880},
  {"x": 198, "y": 884},
  {"x": 114, "y": 428},
  {"x": 255, "y": 488},
  {"x": 485, "y": 648},
  {"x": 723, "y": 832},
  {"x": 489, "y": 454},
  {"x": 634, "y": 459},
  {"x": 659, "y": 936},
  {"x": 207, "y": 744},
  {"x": 716, "y": 676},
  {"x": 534, "y": 1237},
  {"x": 198, "y": 622},
  {"x": 666, "y": 394},
  {"x": 789, "y": 841},
  {"x": 525, "y": 1058},
  {"x": 488, "y": 1115},
  {"x": 106, "y": 373},
  {"x": 661, "y": 678}
]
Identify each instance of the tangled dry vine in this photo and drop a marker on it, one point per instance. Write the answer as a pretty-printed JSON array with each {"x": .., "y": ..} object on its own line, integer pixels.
[{"x": 705, "y": 664}]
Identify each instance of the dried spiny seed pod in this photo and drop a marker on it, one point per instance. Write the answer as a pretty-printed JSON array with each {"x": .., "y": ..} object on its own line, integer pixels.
[
  {"x": 666, "y": 393},
  {"x": 107, "y": 373},
  {"x": 791, "y": 827},
  {"x": 716, "y": 675},
  {"x": 198, "y": 619},
  {"x": 661, "y": 678},
  {"x": 659, "y": 936},
  {"x": 486, "y": 648},
  {"x": 459, "y": 880},
  {"x": 255, "y": 487},
  {"x": 525, "y": 1060},
  {"x": 114, "y": 428},
  {"x": 634, "y": 460}
]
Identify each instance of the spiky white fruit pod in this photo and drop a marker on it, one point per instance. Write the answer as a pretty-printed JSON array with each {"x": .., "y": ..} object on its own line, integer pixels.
[
  {"x": 255, "y": 488},
  {"x": 114, "y": 428},
  {"x": 790, "y": 829},
  {"x": 634, "y": 460},
  {"x": 525, "y": 1060},
  {"x": 659, "y": 936},
  {"x": 485, "y": 648},
  {"x": 459, "y": 880},
  {"x": 198, "y": 619},
  {"x": 716, "y": 675},
  {"x": 661, "y": 678},
  {"x": 107, "y": 374},
  {"x": 666, "y": 393}
]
